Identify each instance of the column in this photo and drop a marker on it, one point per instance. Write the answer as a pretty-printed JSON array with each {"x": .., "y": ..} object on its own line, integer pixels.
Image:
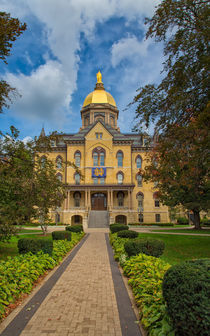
[
  {"x": 68, "y": 197},
  {"x": 89, "y": 200},
  {"x": 129, "y": 199},
  {"x": 108, "y": 199},
  {"x": 86, "y": 204},
  {"x": 111, "y": 198}
]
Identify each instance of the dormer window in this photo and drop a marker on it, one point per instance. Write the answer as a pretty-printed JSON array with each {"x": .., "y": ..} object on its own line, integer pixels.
[{"x": 99, "y": 135}]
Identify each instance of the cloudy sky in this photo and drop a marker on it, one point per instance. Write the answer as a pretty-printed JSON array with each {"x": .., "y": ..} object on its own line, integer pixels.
[{"x": 54, "y": 62}]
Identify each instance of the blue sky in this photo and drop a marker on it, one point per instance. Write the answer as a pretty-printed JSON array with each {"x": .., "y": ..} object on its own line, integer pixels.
[{"x": 54, "y": 62}]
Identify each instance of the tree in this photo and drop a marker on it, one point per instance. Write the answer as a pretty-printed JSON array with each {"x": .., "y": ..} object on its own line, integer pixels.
[
  {"x": 180, "y": 167},
  {"x": 11, "y": 29},
  {"x": 28, "y": 189},
  {"x": 183, "y": 26}
]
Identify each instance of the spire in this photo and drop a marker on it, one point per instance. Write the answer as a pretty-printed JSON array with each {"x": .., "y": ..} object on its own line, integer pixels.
[{"x": 42, "y": 134}]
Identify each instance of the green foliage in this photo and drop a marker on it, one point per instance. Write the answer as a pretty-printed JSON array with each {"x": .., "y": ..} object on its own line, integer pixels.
[
  {"x": 19, "y": 273},
  {"x": 187, "y": 293},
  {"x": 118, "y": 227},
  {"x": 152, "y": 224},
  {"x": 75, "y": 228},
  {"x": 61, "y": 235},
  {"x": 182, "y": 220},
  {"x": 145, "y": 275},
  {"x": 151, "y": 247},
  {"x": 6, "y": 231},
  {"x": 26, "y": 245},
  {"x": 11, "y": 29},
  {"x": 127, "y": 234}
]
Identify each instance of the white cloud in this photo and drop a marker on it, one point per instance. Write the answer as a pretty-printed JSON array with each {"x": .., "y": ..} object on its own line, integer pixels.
[
  {"x": 45, "y": 93},
  {"x": 128, "y": 48},
  {"x": 27, "y": 139}
]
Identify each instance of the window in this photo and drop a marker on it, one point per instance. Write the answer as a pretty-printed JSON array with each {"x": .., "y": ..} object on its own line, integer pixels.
[
  {"x": 59, "y": 177},
  {"x": 52, "y": 143},
  {"x": 102, "y": 180},
  {"x": 140, "y": 199},
  {"x": 77, "y": 159},
  {"x": 58, "y": 162},
  {"x": 139, "y": 180},
  {"x": 87, "y": 121},
  {"x": 112, "y": 122},
  {"x": 141, "y": 218},
  {"x": 101, "y": 159},
  {"x": 120, "y": 178},
  {"x": 138, "y": 162},
  {"x": 43, "y": 160},
  {"x": 155, "y": 184},
  {"x": 95, "y": 159},
  {"x": 99, "y": 156},
  {"x": 77, "y": 198},
  {"x": 77, "y": 178},
  {"x": 120, "y": 197},
  {"x": 99, "y": 135},
  {"x": 95, "y": 180},
  {"x": 120, "y": 159},
  {"x": 157, "y": 203},
  {"x": 157, "y": 218}
]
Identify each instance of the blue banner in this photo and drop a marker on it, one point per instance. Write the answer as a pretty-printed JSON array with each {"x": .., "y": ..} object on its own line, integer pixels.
[{"x": 98, "y": 172}]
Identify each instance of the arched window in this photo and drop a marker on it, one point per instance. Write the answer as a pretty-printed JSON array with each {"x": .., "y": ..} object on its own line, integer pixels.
[
  {"x": 112, "y": 121},
  {"x": 120, "y": 159},
  {"x": 120, "y": 197},
  {"x": 95, "y": 159},
  {"x": 98, "y": 156},
  {"x": 141, "y": 218},
  {"x": 101, "y": 159},
  {"x": 77, "y": 178},
  {"x": 138, "y": 162},
  {"x": 156, "y": 200},
  {"x": 120, "y": 177},
  {"x": 77, "y": 198},
  {"x": 139, "y": 180},
  {"x": 87, "y": 120},
  {"x": 59, "y": 162},
  {"x": 59, "y": 177},
  {"x": 140, "y": 199},
  {"x": 77, "y": 157},
  {"x": 43, "y": 160}
]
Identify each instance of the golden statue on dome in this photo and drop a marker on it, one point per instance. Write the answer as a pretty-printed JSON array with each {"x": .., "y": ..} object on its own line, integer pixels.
[{"x": 99, "y": 77}]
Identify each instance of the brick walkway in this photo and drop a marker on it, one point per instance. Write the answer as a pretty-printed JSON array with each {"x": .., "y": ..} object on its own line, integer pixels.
[{"x": 82, "y": 302}]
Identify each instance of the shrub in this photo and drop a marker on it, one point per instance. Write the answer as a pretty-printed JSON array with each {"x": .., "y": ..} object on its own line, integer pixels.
[
  {"x": 187, "y": 293},
  {"x": 182, "y": 221},
  {"x": 127, "y": 234},
  {"x": 118, "y": 227},
  {"x": 75, "y": 228},
  {"x": 205, "y": 222},
  {"x": 26, "y": 245},
  {"x": 61, "y": 235},
  {"x": 152, "y": 224},
  {"x": 151, "y": 247}
]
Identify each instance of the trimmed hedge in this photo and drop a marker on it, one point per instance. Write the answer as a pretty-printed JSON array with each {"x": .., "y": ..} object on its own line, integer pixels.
[
  {"x": 187, "y": 293},
  {"x": 61, "y": 235},
  {"x": 151, "y": 224},
  {"x": 118, "y": 227},
  {"x": 182, "y": 221},
  {"x": 127, "y": 234},
  {"x": 150, "y": 247},
  {"x": 75, "y": 228},
  {"x": 26, "y": 245}
]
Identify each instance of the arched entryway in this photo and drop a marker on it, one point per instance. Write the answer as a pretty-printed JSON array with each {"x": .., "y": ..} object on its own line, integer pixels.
[
  {"x": 98, "y": 201},
  {"x": 76, "y": 219},
  {"x": 121, "y": 219}
]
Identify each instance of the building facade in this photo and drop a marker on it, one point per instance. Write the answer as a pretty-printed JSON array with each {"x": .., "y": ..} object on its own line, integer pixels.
[{"x": 109, "y": 162}]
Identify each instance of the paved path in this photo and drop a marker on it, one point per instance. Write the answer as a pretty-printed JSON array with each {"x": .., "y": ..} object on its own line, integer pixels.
[{"x": 83, "y": 300}]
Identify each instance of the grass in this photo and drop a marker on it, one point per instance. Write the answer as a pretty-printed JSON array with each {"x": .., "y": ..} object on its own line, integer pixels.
[
  {"x": 180, "y": 248},
  {"x": 29, "y": 230},
  {"x": 10, "y": 248},
  {"x": 203, "y": 231}
]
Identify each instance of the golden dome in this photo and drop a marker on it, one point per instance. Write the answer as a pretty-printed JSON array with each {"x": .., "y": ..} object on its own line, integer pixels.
[{"x": 99, "y": 95}]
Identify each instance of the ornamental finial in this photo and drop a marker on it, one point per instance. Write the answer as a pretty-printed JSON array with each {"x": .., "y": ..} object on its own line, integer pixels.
[{"x": 99, "y": 77}]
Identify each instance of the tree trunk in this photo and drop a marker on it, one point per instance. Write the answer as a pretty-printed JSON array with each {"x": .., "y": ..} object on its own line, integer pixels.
[{"x": 197, "y": 223}]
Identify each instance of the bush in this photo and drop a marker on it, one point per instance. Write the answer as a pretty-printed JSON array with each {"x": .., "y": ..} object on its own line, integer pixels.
[
  {"x": 150, "y": 247},
  {"x": 61, "y": 235},
  {"x": 26, "y": 245},
  {"x": 75, "y": 228},
  {"x": 152, "y": 224},
  {"x": 182, "y": 221},
  {"x": 205, "y": 222},
  {"x": 127, "y": 234},
  {"x": 187, "y": 293},
  {"x": 118, "y": 227}
]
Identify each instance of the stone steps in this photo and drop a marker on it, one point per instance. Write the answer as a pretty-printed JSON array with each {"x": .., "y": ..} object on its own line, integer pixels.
[{"x": 98, "y": 219}]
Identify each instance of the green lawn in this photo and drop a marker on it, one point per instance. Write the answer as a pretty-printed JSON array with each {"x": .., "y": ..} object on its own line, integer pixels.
[
  {"x": 181, "y": 248},
  {"x": 203, "y": 231},
  {"x": 10, "y": 248}
]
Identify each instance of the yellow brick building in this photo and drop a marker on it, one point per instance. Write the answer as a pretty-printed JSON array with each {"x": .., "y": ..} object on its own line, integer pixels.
[{"x": 109, "y": 162}]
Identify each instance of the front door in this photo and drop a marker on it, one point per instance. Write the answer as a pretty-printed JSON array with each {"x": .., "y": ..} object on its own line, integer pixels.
[{"x": 98, "y": 201}]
